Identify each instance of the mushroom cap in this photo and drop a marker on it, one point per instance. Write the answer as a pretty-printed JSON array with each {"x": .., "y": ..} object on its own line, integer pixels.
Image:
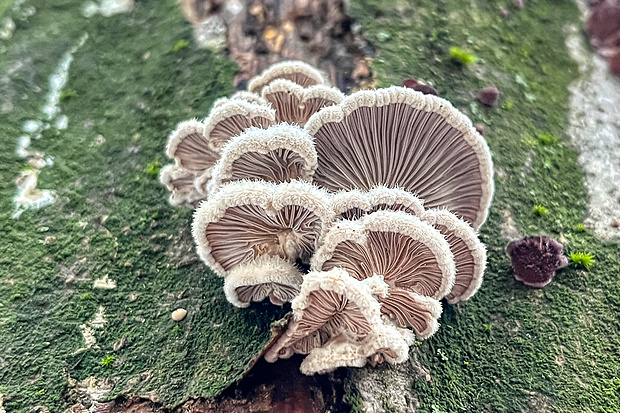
[
  {"x": 330, "y": 305},
  {"x": 294, "y": 70},
  {"x": 190, "y": 148},
  {"x": 280, "y": 153},
  {"x": 266, "y": 276},
  {"x": 408, "y": 252},
  {"x": 536, "y": 259},
  {"x": 295, "y": 104},
  {"x": 469, "y": 253},
  {"x": 180, "y": 182},
  {"x": 248, "y": 219},
  {"x": 233, "y": 117},
  {"x": 356, "y": 203},
  {"x": 241, "y": 95},
  {"x": 398, "y": 137}
]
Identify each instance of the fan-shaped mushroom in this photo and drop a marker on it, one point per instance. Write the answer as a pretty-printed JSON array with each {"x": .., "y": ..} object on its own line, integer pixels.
[
  {"x": 337, "y": 319},
  {"x": 398, "y": 137},
  {"x": 233, "y": 117},
  {"x": 296, "y": 71},
  {"x": 469, "y": 253},
  {"x": 246, "y": 220},
  {"x": 295, "y": 104},
  {"x": 411, "y": 255},
  {"x": 357, "y": 203},
  {"x": 266, "y": 276},
  {"x": 279, "y": 153}
]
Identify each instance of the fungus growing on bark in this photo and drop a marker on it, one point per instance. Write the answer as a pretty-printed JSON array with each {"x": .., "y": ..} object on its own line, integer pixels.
[
  {"x": 337, "y": 320},
  {"x": 296, "y": 71},
  {"x": 398, "y": 137},
  {"x": 412, "y": 256},
  {"x": 295, "y": 104},
  {"x": 247, "y": 220},
  {"x": 280, "y": 153},
  {"x": 536, "y": 259}
]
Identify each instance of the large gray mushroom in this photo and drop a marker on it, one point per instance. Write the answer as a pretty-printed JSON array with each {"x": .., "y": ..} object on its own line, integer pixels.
[
  {"x": 398, "y": 137},
  {"x": 250, "y": 227}
]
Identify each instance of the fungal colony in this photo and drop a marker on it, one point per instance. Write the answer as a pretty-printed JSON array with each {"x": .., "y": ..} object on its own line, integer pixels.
[{"x": 361, "y": 211}]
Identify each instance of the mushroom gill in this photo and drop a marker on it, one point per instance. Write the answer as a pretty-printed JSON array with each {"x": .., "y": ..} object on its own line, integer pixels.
[
  {"x": 296, "y": 71},
  {"x": 233, "y": 117},
  {"x": 334, "y": 312},
  {"x": 280, "y": 153},
  {"x": 412, "y": 256},
  {"x": 398, "y": 137},
  {"x": 357, "y": 203},
  {"x": 469, "y": 253},
  {"x": 246, "y": 220},
  {"x": 295, "y": 104},
  {"x": 265, "y": 277}
]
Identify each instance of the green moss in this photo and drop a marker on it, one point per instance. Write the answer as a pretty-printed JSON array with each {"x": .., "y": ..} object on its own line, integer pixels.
[
  {"x": 180, "y": 45},
  {"x": 540, "y": 210},
  {"x": 66, "y": 94},
  {"x": 557, "y": 345},
  {"x": 462, "y": 56},
  {"x": 582, "y": 259},
  {"x": 130, "y": 92},
  {"x": 152, "y": 169},
  {"x": 107, "y": 361}
]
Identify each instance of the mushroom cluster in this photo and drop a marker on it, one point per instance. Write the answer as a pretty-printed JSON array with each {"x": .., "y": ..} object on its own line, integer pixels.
[{"x": 361, "y": 211}]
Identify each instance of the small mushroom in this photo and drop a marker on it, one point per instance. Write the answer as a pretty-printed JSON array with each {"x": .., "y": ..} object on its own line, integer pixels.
[
  {"x": 397, "y": 137},
  {"x": 489, "y": 95},
  {"x": 246, "y": 220},
  {"x": 265, "y": 277},
  {"x": 241, "y": 95},
  {"x": 295, "y": 104},
  {"x": 338, "y": 321},
  {"x": 412, "y": 256},
  {"x": 296, "y": 71},
  {"x": 233, "y": 117},
  {"x": 179, "y": 314},
  {"x": 180, "y": 182},
  {"x": 536, "y": 259},
  {"x": 357, "y": 203},
  {"x": 469, "y": 253},
  {"x": 280, "y": 153}
]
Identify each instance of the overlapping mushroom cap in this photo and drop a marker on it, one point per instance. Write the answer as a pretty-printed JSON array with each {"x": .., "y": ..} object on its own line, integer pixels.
[
  {"x": 398, "y": 137},
  {"x": 468, "y": 252},
  {"x": 280, "y": 153},
  {"x": 293, "y": 70},
  {"x": 413, "y": 257},
  {"x": 337, "y": 320},
  {"x": 247, "y": 220}
]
